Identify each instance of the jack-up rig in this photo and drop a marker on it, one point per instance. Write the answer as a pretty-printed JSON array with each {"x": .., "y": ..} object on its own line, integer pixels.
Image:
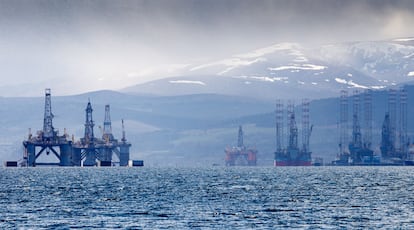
[
  {"x": 358, "y": 151},
  {"x": 292, "y": 155},
  {"x": 88, "y": 151},
  {"x": 240, "y": 155},
  {"x": 394, "y": 142}
]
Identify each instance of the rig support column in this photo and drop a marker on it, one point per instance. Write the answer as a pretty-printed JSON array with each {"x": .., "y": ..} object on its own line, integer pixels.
[
  {"x": 124, "y": 148},
  {"x": 76, "y": 157},
  {"x": 105, "y": 153},
  {"x": 90, "y": 157},
  {"x": 124, "y": 154},
  {"x": 31, "y": 154},
  {"x": 66, "y": 154}
]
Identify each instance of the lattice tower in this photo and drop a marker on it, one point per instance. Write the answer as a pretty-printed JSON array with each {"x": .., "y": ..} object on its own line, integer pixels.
[
  {"x": 403, "y": 121},
  {"x": 305, "y": 124},
  {"x": 368, "y": 118},
  {"x": 107, "y": 128},
  {"x": 392, "y": 111},
  {"x": 343, "y": 121},
  {"x": 279, "y": 125},
  {"x": 356, "y": 127},
  {"x": 240, "y": 138},
  {"x": 48, "y": 130},
  {"x": 89, "y": 124}
]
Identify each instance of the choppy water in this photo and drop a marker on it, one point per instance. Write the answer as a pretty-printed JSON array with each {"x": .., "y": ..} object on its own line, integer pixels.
[{"x": 218, "y": 198}]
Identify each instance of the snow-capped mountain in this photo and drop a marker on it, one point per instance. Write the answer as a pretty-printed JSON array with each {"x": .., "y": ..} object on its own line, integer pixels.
[
  {"x": 290, "y": 70},
  {"x": 390, "y": 62}
]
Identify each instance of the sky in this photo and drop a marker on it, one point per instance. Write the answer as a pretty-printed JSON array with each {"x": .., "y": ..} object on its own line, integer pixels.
[{"x": 75, "y": 46}]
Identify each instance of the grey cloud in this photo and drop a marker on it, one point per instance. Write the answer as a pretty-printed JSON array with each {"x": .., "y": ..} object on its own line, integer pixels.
[
  {"x": 192, "y": 20},
  {"x": 84, "y": 40}
]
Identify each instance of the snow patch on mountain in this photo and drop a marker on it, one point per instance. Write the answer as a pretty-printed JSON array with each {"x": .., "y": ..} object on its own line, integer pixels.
[
  {"x": 350, "y": 83},
  {"x": 373, "y": 49},
  {"x": 403, "y": 39},
  {"x": 187, "y": 82},
  {"x": 269, "y": 79},
  {"x": 408, "y": 56},
  {"x": 342, "y": 81},
  {"x": 355, "y": 85},
  {"x": 257, "y": 56},
  {"x": 231, "y": 64},
  {"x": 378, "y": 87},
  {"x": 263, "y": 78},
  {"x": 299, "y": 67},
  {"x": 411, "y": 74}
]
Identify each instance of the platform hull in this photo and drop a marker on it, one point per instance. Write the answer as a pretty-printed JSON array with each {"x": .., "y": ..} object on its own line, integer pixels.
[
  {"x": 241, "y": 157},
  {"x": 292, "y": 163},
  {"x": 409, "y": 162},
  {"x": 292, "y": 157}
]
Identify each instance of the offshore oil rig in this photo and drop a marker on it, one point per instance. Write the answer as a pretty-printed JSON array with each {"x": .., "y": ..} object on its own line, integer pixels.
[
  {"x": 240, "y": 155},
  {"x": 88, "y": 151},
  {"x": 293, "y": 154},
  {"x": 394, "y": 142},
  {"x": 358, "y": 151}
]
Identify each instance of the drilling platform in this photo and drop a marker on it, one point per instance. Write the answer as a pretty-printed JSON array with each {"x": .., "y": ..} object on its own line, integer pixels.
[
  {"x": 101, "y": 151},
  {"x": 394, "y": 141},
  {"x": 88, "y": 151},
  {"x": 292, "y": 155},
  {"x": 359, "y": 150},
  {"x": 240, "y": 155},
  {"x": 47, "y": 141}
]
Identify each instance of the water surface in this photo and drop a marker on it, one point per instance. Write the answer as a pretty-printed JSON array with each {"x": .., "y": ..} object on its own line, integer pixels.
[{"x": 204, "y": 198}]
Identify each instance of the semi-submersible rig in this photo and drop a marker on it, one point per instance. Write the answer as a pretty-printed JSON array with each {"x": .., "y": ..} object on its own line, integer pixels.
[
  {"x": 88, "y": 151},
  {"x": 394, "y": 140},
  {"x": 240, "y": 155}
]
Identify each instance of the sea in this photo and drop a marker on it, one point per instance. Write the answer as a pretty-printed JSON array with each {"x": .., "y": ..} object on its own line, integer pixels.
[{"x": 207, "y": 198}]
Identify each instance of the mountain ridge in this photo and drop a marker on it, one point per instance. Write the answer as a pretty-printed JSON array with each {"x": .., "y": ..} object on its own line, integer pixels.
[{"x": 289, "y": 70}]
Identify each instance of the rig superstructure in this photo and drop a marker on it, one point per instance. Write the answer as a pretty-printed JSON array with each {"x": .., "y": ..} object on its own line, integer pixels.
[
  {"x": 88, "y": 151},
  {"x": 240, "y": 155},
  {"x": 293, "y": 154}
]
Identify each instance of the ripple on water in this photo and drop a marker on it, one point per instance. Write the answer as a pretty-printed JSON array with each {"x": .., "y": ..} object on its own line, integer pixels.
[{"x": 186, "y": 198}]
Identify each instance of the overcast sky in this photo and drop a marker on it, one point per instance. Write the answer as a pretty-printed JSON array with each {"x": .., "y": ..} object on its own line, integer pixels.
[{"x": 78, "y": 46}]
